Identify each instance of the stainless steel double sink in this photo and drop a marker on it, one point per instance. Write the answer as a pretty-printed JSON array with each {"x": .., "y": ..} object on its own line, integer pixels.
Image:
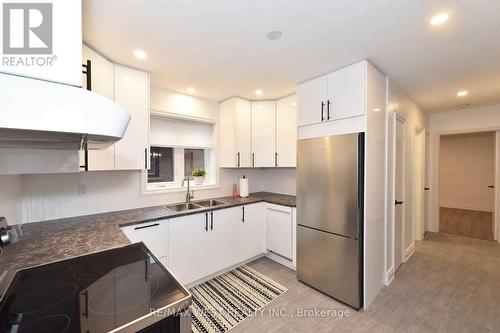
[{"x": 195, "y": 205}]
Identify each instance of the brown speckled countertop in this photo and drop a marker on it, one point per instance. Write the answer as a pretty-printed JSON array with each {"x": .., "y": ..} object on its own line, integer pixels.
[{"x": 48, "y": 241}]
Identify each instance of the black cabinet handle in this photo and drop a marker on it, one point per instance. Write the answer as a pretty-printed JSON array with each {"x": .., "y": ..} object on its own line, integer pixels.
[
  {"x": 253, "y": 159},
  {"x": 147, "y": 226},
  {"x": 243, "y": 214},
  {"x": 275, "y": 159},
  {"x": 86, "y": 312},
  {"x": 398, "y": 202},
  {"x": 328, "y": 110},
  {"x": 491, "y": 186},
  {"x": 211, "y": 220},
  {"x": 238, "y": 157},
  {"x": 206, "y": 221},
  {"x": 322, "y": 112},
  {"x": 88, "y": 71},
  {"x": 427, "y": 188},
  {"x": 146, "y": 158}
]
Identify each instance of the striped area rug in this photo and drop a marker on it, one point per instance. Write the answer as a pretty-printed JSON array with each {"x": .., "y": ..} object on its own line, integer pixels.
[{"x": 223, "y": 302}]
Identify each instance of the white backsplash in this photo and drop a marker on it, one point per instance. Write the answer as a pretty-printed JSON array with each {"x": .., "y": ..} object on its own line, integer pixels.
[{"x": 52, "y": 196}]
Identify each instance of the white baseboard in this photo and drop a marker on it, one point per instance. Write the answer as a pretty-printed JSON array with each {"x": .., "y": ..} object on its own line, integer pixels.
[
  {"x": 281, "y": 260},
  {"x": 389, "y": 276},
  {"x": 409, "y": 251}
]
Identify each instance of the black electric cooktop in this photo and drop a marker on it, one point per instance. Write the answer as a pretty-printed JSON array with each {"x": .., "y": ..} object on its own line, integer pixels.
[{"x": 93, "y": 293}]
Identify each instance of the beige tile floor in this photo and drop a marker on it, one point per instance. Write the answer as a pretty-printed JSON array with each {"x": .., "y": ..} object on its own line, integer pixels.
[{"x": 450, "y": 284}]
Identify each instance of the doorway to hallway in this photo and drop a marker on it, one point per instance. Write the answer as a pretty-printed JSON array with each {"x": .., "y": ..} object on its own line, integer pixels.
[{"x": 466, "y": 184}]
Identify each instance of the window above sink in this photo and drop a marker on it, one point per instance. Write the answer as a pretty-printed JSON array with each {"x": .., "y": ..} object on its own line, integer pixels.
[{"x": 178, "y": 146}]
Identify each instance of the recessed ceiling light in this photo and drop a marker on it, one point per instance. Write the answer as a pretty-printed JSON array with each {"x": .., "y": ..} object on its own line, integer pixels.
[
  {"x": 462, "y": 93},
  {"x": 140, "y": 54},
  {"x": 259, "y": 92},
  {"x": 274, "y": 35},
  {"x": 191, "y": 90},
  {"x": 440, "y": 19}
]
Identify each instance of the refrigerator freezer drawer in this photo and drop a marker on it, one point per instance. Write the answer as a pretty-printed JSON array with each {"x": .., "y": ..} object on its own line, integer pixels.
[{"x": 330, "y": 263}]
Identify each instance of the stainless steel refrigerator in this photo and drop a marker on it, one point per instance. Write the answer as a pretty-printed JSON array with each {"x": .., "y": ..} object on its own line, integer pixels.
[{"x": 330, "y": 191}]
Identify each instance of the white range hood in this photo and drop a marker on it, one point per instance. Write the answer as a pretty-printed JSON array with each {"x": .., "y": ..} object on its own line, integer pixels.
[{"x": 46, "y": 115}]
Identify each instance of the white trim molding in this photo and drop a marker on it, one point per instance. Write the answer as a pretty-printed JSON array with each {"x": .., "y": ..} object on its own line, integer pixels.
[
  {"x": 389, "y": 276},
  {"x": 409, "y": 251}
]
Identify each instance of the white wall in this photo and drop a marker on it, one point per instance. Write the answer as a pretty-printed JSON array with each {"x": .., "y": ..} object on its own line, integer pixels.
[
  {"x": 31, "y": 198},
  {"x": 466, "y": 168},
  {"x": 406, "y": 108},
  {"x": 481, "y": 119},
  {"x": 55, "y": 196},
  {"x": 10, "y": 198}
]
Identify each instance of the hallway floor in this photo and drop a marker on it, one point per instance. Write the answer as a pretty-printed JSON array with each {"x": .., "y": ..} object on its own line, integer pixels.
[
  {"x": 468, "y": 223},
  {"x": 450, "y": 284}
]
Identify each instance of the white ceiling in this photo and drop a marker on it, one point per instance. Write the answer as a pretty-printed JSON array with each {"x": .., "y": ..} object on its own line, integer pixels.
[{"x": 220, "y": 46}]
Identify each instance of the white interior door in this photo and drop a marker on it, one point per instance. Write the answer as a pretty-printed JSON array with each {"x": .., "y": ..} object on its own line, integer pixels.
[{"x": 399, "y": 194}]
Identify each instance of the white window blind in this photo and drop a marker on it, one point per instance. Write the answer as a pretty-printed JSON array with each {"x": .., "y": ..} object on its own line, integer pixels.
[{"x": 181, "y": 133}]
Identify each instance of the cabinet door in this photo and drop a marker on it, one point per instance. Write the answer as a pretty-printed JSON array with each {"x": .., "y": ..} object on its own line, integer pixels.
[
  {"x": 279, "y": 230},
  {"x": 346, "y": 92},
  {"x": 102, "y": 83},
  {"x": 223, "y": 239},
  {"x": 311, "y": 95},
  {"x": 252, "y": 231},
  {"x": 243, "y": 133},
  {"x": 132, "y": 92},
  {"x": 152, "y": 234},
  {"x": 286, "y": 132},
  {"x": 227, "y": 133},
  {"x": 187, "y": 247},
  {"x": 263, "y": 133}
]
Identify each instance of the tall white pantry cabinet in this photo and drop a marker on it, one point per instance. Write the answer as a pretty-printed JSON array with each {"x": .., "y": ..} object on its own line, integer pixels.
[{"x": 353, "y": 99}]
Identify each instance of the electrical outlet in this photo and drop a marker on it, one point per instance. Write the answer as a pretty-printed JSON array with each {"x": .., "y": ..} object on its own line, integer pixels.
[{"x": 82, "y": 189}]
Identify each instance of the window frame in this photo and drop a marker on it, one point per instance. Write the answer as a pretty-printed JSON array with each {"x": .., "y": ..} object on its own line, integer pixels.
[{"x": 211, "y": 162}]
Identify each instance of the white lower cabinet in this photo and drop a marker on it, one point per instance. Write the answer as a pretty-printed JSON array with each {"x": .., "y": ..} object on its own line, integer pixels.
[
  {"x": 152, "y": 234},
  {"x": 188, "y": 247},
  {"x": 252, "y": 231},
  {"x": 223, "y": 239},
  {"x": 279, "y": 230},
  {"x": 195, "y": 246}
]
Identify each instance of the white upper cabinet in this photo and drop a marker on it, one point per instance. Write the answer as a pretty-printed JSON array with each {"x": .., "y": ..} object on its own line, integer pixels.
[
  {"x": 132, "y": 93},
  {"x": 286, "y": 132},
  {"x": 312, "y": 96},
  {"x": 243, "y": 133},
  {"x": 263, "y": 134},
  {"x": 346, "y": 92},
  {"x": 337, "y": 95},
  {"x": 102, "y": 82},
  {"x": 235, "y": 133},
  {"x": 102, "y": 73}
]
